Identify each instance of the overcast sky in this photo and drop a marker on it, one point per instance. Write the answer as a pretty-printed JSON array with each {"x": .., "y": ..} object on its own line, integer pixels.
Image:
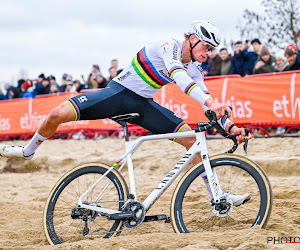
[{"x": 58, "y": 36}]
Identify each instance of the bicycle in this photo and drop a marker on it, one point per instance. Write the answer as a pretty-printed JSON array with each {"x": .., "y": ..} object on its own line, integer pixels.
[{"x": 93, "y": 199}]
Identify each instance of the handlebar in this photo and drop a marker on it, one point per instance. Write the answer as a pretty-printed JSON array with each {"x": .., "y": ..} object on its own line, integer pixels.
[{"x": 213, "y": 122}]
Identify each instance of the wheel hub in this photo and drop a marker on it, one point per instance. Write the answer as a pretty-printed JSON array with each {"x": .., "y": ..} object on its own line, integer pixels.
[{"x": 223, "y": 208}]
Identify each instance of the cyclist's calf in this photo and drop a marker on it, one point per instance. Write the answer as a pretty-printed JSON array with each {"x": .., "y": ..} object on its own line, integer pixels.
[
  {"x": 187, "y": 142},
  {"x": 62, "y": 113}
]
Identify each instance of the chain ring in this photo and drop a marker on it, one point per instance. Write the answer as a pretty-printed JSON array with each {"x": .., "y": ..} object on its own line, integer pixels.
[{"x": 138, "y": 221}]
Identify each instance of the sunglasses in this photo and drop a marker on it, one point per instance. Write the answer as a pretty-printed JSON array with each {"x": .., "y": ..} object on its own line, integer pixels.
[{"x": 208, "y": 47}]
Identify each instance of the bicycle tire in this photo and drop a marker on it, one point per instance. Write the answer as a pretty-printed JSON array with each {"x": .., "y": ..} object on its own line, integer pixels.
[
  {"x": 68, "y": 188},
  {"x": 187, "y": 202}
]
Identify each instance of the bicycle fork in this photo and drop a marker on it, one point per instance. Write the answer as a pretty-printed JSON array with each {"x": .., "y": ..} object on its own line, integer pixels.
[{"x": 211, "y": 177}]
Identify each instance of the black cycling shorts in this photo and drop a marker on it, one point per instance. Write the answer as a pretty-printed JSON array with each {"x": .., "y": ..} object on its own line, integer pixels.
[{"x": 115, "y": 99}]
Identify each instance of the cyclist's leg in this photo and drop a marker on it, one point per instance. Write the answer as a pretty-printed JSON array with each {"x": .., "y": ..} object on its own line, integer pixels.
[
  {"x": 188, "y": 142},
  {"x": 160, "y": 120},
  {"x": 99, "y": 104},
  {"x": 62, "y": 113}
]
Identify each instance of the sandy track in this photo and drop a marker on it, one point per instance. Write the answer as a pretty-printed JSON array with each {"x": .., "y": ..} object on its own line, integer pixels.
[{"x": 26, "y": 185}]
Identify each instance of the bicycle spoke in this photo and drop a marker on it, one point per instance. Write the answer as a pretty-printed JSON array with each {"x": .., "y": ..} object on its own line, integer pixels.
[
  {"x": 238, "y": 186},
  {"x": 78, "y": 194},
  {"x": 227, "y": 222},
  {"x": 100, "y": 226},
  {"x": 66, "y": 203},
  {"x": 234, "y": 219},
  {"x": 195, "y": 218},
  {"x": 213, "y": 223},
  {"x": 76, "y": 198},
  {"x": 243, "y": 215}
]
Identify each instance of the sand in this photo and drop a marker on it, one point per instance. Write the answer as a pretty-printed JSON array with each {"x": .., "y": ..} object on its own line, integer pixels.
[{"x": 26, "y": 185}]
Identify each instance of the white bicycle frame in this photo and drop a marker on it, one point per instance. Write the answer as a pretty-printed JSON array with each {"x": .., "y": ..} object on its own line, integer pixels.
[{"x": 131, "y": 146}]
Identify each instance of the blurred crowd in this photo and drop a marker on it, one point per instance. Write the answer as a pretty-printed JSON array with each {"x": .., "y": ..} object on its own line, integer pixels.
[
  {"x": 247, "y": 59},
  {"x": 253, "y": 58},
  {"x": 66, "y": 84}
]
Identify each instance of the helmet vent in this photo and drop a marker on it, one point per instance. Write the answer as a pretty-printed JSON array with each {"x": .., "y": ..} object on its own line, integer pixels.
[{"x": 205, "y": 32}]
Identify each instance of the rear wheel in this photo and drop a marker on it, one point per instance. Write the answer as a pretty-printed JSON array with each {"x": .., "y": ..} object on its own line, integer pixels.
[
  {"x": 191, "y": 207},
  {"x": 65, "y": 222}
]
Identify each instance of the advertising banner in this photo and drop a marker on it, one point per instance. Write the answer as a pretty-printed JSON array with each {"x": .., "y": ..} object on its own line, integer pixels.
[{"x": 266, "y": 99}]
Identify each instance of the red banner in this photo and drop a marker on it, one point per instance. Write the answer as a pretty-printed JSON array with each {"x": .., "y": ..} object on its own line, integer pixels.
[{"x": 259, "y": 99}]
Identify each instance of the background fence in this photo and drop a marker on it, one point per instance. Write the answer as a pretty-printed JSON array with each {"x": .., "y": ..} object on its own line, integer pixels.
[{"x": 259, "y": 101}]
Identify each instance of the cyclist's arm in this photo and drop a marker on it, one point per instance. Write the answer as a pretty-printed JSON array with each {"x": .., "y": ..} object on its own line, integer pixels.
[
  {"x": 171, "y": 55},
  {"x": 225, "y": 124}
]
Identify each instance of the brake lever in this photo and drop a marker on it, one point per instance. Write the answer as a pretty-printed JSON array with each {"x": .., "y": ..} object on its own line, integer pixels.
[{"x": 246, "y": 141}]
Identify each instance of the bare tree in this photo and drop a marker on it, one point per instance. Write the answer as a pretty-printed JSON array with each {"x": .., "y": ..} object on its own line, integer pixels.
[{"x": 276, "y": 26}]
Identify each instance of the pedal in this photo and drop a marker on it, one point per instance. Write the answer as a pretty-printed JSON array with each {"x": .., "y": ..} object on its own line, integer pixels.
[{"x": 155, "y": 218}]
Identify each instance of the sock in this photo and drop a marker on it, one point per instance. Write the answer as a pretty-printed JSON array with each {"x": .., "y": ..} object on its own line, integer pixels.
[
  {"x": 34, "y": 143},
  {"x": 205, "y": 180}
]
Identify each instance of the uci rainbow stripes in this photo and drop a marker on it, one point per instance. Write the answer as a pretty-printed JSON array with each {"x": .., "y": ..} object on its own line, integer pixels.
[
  {"x": 145, "y": 69},
  {"x": 190, "y": 87},
  {"x": 75, "y": 109},
  {"x": 175, "y": 70},
  {"x": 179, "y": 128}
]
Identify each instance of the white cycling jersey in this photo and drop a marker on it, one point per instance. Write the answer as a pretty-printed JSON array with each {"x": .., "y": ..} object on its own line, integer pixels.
[{"x": 158, "y": 64}]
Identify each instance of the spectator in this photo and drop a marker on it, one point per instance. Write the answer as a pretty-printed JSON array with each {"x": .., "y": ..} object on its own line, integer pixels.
[
  {"x": 53, "y": 89},
  {"x": 91, "y": 82},
  {"x": 78, "y": 86},
  {"x": 2, "y": 96},
  {"x": 52, "y": 80},
  {"x": 38, "y": 87},
  {"x": 13, "y": 92},
  {"x": 214, "y": 64},
  {"x": 62, "y": 87},
  {"x": 6, "y": 87},
  {"x": 69, "y": 85},
  {"x": 292, "y": 55},
  {"x": 237, "y": 61},
  {"x": 20, "y": 82},
  {"x": 265, "y": 63},
  {"x": 292, "y": 47},
  {"x": 205, "y": 66},
  {"x": 112, "y": 73},
  {"x": 101, "y": 81},
  {"x": 115, "y": 64},
  {"x": 293, "y": 60},
  {"x": 281, "y": 62},
  {"x": 226, "y": 61},
  {"x": 250, "y": 57},
  {"x": 26, "y": 92},
  {"x": 46, "y": 86}
]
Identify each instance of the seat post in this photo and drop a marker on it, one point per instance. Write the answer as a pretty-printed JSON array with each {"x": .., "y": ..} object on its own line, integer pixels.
[{"x": 125, "y": 128}]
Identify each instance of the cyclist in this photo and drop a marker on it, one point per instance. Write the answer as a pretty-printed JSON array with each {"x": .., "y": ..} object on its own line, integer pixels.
[{"x": 132, "y": 91}]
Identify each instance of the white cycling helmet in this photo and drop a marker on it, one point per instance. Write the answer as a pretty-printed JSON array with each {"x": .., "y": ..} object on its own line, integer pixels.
[{"x": 205, "y": 31}]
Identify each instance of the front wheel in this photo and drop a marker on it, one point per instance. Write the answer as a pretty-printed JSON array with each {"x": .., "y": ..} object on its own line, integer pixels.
[
  {"x": 64, "y": 221},
  {"x": 191, "y": 206}
]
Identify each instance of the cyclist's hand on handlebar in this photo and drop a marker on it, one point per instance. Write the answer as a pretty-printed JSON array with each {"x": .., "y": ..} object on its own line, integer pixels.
[
  {"x": 218, "y": 108},
  {"x": 240, "y": 133}
]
